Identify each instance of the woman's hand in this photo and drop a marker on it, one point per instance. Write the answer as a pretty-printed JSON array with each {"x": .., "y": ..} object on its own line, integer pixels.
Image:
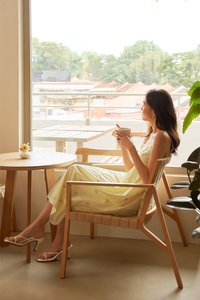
[
  {"x": 124, "y": 141},
  {"x": 115, "y": 132}
]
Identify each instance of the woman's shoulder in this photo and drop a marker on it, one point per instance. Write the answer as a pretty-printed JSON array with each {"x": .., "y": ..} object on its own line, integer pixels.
[
  {"x": 163, "y": 138},
  {"x": 162, "y": 135}
]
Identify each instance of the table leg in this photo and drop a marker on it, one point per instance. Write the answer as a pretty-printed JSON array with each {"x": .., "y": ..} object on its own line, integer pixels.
[
  {"x": 14, "y": 221},
  {"x": 50, "y": 181},
  {"x": 7, "y": 207}
]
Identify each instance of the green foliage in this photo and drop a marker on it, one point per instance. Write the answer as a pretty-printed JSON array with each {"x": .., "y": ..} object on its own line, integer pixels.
[
  {"x": 195, "y": 184},
  {"x": 144, "y": 61},
  {"x": 192, "y": 202},
  {"x": 53, "y": 56},
  {"x": 194, "y": 110}
]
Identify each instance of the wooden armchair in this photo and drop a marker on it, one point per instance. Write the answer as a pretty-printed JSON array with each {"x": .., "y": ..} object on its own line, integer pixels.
[
  {"x": 138, "y": 221},
  {"x": 112, "y": 160}
]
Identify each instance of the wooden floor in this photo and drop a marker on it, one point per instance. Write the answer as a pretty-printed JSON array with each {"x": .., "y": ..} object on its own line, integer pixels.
[{"x": 102, "y": 269}]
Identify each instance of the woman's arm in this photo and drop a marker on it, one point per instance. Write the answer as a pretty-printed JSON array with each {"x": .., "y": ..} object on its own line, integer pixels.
[
  {"x": 160, "y": 148},
  {"x": 127, "y": 160}
]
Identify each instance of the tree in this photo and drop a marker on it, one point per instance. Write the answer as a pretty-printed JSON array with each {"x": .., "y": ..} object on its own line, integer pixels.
[
  {"x": 144, "y": 61},
  {"x": 52, "y": 56}
]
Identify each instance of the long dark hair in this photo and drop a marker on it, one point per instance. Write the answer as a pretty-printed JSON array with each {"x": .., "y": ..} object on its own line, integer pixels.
[{"x": 161, "y": 103}]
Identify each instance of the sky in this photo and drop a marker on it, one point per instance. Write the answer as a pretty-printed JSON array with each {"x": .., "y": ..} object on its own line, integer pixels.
[{"x": 108, "y": 26}]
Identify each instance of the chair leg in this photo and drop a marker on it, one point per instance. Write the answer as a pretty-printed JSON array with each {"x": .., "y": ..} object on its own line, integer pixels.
[
  {"x": 92, "y": 230},
  {"x": 168, "y": 243},
  {"x": 166, "y": 246},
  {"x": 64, "y": 256},
  {"x": 173, "y": 214}
]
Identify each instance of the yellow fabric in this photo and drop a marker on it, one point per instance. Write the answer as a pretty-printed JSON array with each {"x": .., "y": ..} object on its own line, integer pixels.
[{"x": 107, "y": 200}]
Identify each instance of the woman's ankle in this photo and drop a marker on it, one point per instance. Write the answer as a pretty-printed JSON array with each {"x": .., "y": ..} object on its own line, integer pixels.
[{"x": 33, "y": 232}]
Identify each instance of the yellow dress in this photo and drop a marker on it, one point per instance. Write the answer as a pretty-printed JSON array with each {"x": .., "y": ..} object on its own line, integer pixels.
[{"x": 107, "y": 200}]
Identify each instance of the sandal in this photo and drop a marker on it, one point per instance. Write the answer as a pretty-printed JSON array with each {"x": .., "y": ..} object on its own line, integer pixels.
[
  {"x": 24, "y": 241},
  {"x": 50, "y": 256}
]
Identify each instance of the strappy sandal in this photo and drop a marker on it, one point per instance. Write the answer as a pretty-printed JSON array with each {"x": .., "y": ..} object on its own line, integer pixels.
[
  {"x": 24, "y": 241},
  {"x": 50, "y": 256}
]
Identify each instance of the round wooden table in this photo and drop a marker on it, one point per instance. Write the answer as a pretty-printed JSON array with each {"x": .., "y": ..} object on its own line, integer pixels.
[{"x": 12, "y": 163}]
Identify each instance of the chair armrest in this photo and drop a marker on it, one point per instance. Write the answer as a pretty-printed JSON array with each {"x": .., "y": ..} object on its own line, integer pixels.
[
  {"x": 101, "y": 183},
  {"x": 109, "y": 166},
  {"x": 94, "y": 183},
  {"x": 96, "y": 151},
  {"x": 84, "y": 153}
]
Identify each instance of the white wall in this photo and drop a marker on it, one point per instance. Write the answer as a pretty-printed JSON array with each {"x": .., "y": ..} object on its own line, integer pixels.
[{"x": 10, "y": 75}]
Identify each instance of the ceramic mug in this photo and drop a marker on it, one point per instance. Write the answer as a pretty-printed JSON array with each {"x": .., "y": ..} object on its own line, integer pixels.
[{"x": 125, "y": 131}]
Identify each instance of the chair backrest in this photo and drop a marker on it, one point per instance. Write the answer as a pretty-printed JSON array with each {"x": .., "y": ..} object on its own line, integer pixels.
[
  {"x": 148, "y": 206},
  {"x": 158, "y": 170}
]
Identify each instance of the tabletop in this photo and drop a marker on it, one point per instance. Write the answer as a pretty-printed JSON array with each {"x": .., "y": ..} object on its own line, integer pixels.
[
  {"x": 71, "y": 133},
  {"x": 38, "y": 160},
  {"x": 93, "y": 128},
  {"x": 62, "y": 134}
]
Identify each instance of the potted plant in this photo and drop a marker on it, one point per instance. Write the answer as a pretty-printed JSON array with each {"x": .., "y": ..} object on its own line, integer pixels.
[
  {"x": 191, "y": 202},
  {"x": 24, "y": 150},
  {"x": 194, "y": 103}
]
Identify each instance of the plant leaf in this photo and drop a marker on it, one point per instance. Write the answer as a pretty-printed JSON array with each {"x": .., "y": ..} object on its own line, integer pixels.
[
  {"x": 195, "y": 86},
  {"x": 181, "y": 203},
  {"x": 192, "y": 114},
  {"x": 194, "y": 196},
  {"x": 190, "y": 165},
  {"x": 195, "y": 184},
  {"x": 195, "y": 98},
  {"x": 194, "y": 103}
]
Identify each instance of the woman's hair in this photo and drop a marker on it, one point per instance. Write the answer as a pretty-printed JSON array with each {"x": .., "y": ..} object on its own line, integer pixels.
[{"x": 161, "y": 103}]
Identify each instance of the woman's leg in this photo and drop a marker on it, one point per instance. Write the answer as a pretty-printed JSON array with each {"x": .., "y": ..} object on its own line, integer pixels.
[
  {"x": 36, "y": 228},
  {"x": 55, "y": 249},
  {"x": 57, "y": 244}
]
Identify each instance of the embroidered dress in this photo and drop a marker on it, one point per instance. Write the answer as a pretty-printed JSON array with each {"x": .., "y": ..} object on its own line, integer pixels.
[{"x": 101, "y": 199}]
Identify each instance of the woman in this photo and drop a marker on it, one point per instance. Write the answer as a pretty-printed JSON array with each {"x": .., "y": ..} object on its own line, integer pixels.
[{"x": 161, "y": 140}]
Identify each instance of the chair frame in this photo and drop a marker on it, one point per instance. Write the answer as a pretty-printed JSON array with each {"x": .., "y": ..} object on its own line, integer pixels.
[
  {"x": 135, "y": 222},
  {"x": 86, "y": 153}
]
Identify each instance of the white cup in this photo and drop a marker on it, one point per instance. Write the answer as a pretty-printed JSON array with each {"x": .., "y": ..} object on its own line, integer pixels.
[{"x": 124, "y": 130}]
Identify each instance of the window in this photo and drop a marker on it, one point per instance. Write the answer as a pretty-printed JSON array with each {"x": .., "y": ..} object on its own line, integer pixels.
[{"x": 93, "y": 61}]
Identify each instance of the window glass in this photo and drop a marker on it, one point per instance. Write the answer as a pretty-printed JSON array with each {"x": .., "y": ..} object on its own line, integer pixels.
[{"x": 93, "y": 61}]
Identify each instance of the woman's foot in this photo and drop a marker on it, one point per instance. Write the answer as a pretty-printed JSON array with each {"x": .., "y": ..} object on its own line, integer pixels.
[
  {"x": 27, "y": 236},
  {"x": 50, "y": 256},
  {"x": 21, "y": 241}
]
